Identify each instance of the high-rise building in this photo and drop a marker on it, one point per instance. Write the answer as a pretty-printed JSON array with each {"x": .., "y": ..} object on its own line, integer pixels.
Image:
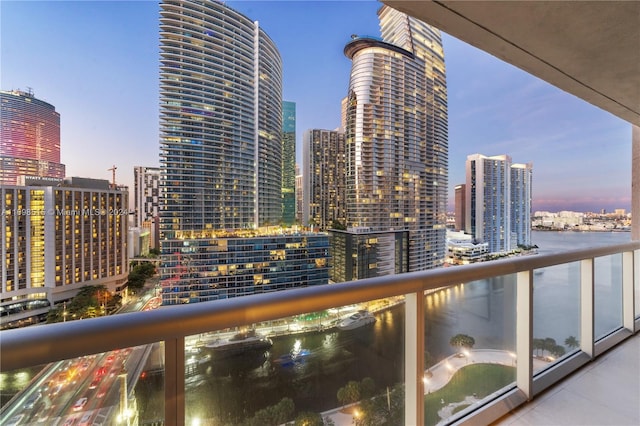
[
  {"x": 220, "y": 120},
  {"x": 521, "y": 193},
  {"x": 299, "y": 196},
  {"x": 323, "y": 178},
  {"x": 29, "y": 138},
  {"x": 57, "y": 237},
  {"x": 146, "y": 193},
  {"x": 460, "y": 206},
  {"x": 498, "y": 199},
  {"x": 288, "y": 162},
  {"x": 146, "y": 202},
  {"x": 396, "y": 135},
  {"x": 360, "y": 253},
  {"x": 245, "y": 263},
  {"x": 221, "y": 156}
]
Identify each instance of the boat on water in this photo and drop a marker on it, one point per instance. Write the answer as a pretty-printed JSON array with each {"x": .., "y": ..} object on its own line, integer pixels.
[
  {"x": 357, "y": 320},
  {"x": 239, "y": 343},
  {"x": 292, "y": 358}
]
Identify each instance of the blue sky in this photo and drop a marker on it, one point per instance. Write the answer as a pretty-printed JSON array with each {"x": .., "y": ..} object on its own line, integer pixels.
[{"x": 97, "y": 62}]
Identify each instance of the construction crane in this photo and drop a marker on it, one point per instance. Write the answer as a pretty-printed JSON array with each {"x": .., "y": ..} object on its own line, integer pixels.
[{"x": 113, "y": 174}]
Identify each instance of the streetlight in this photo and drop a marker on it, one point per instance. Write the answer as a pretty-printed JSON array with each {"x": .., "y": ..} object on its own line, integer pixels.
[
  {"x": 356, "y": 414},
  {"x": 450, "y": 368}
]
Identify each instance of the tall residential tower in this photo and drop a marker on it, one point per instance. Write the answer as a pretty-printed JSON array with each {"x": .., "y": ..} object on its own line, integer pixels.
[
  {"x": 220, "y": 120},
  {"x": 146, "y": 183},
  {"x": 396, "y": 135},
  {"x": 521, "y": 193},
  {"x": 146, "y": 201},
  {"x": 498, "y": 200},
  {"x": 288, "y": 162},
  {"x": 324, "y": 178},
  {"x": 221, "y": 158}
]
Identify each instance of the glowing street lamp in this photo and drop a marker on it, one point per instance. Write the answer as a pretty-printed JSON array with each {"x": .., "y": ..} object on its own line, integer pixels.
[{"x": 450, "y": 368}]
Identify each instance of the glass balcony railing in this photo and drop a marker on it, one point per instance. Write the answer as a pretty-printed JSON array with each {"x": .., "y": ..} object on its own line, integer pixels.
[{"x": 460, "y": 344}]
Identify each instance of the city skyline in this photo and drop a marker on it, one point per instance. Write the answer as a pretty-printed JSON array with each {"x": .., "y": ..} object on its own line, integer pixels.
[{"x": 104, "y": 85}]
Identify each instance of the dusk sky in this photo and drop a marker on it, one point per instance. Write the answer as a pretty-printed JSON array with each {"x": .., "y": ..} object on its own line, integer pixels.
[{"x": 97, "y": 63}]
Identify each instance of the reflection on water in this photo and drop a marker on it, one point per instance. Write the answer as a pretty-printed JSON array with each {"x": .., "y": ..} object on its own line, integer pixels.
[
  {"x": 230, "y": 390},
  {"x": 331, "y": 359}
]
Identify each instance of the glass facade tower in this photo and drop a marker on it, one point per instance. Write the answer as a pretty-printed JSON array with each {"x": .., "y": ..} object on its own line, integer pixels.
[
  {"x": 498, "y": 194},
  {"x": 489, "y": 197},
  {"x": 396, "y": 135},
  {"x": 288, "y": 162},
  {"x": 29, "y": 138},
  {"x": 221, "y": 161},
  {"x": 521, "y": 181},
  {"x": 220, "y": 120}
]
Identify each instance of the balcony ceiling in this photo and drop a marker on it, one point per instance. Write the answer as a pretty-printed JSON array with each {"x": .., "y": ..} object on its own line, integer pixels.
[{"x": 590, "y": 49}]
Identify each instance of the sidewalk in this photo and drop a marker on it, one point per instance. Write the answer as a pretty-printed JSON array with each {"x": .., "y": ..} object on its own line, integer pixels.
[{"x": 440, "y": 374}]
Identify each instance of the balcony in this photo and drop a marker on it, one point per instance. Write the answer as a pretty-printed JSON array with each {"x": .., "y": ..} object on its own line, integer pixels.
[{"x": 502, "y": 309}]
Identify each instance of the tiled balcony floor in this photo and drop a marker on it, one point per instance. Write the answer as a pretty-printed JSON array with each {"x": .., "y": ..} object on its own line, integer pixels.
[{"x": 605, "y": 392}]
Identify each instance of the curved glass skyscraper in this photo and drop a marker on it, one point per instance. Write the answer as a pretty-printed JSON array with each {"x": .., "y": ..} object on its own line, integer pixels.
[
  {"x": 221, "y": 160},
  {"x": 220, "y": 120},
  {"x": 396, "y": 135}
]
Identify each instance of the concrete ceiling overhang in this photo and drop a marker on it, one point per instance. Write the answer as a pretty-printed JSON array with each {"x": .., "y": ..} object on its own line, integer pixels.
[{"x": 590, "y": 49}]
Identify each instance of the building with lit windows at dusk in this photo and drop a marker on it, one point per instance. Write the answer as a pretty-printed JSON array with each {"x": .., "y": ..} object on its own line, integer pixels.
[
  {"x": 221, "y": 160},
  {"x": 498, "y": 200},
  {"x": 146, "y": 182},
  {"x": 29, "y": 137},
  {"x": 288, "y": 162},
  {"x": 397, "y": 137},
  {"x": 324, "y": 178},
  {"x": 58, "y": 236}
]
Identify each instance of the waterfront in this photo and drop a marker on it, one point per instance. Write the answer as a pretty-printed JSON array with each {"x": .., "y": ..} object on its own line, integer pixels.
[{"x": 231, "y": 390}]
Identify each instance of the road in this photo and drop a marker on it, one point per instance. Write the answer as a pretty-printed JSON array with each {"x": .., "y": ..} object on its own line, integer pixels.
[{"x": 83, "y": 391}]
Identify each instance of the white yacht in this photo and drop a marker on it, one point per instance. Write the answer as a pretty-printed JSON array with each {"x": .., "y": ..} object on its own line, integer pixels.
[
  {"x": 241, "y": 342},
  {"x": 359, "y": 319}
]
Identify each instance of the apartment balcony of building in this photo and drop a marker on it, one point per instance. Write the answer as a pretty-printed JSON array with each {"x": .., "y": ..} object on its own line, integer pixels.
[
  {"x": 460, "y": 345},
  {"x": 593, "y": 380}
]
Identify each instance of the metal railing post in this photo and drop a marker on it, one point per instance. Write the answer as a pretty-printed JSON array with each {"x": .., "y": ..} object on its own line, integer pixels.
[
  {"x": 524, "y": 332},
  {"x": 414, "y": 359},
  {"x": 587, "y": 307},
  {"x": 174, "y": 409}
]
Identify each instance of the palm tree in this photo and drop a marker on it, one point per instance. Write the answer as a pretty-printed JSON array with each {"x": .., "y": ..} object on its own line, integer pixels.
[
  {"x": 571, "y": 342},
  {"x": 557, "y": 351},
  {"x": 549, "y": 344},
  {"x": 538, "y": 345}
]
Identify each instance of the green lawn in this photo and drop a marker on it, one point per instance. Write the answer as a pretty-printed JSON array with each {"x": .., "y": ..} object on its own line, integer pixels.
[{"x": 481, "y": 379}]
